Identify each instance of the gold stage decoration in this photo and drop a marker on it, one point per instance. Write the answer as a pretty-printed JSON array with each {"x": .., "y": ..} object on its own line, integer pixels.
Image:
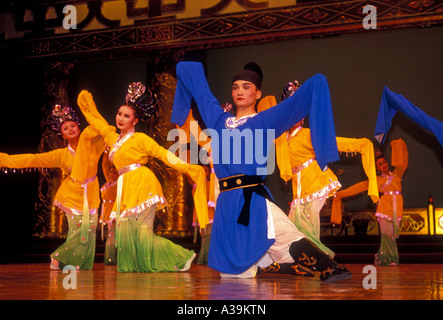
[{"x": 132, "y": 27}]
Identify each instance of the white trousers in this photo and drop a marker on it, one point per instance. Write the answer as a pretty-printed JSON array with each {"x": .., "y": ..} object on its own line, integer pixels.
[{"x": 284, "y": 232}]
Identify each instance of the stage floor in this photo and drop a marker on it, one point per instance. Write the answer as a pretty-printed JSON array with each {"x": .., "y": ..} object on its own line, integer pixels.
[{"x": 37, "y": 282}]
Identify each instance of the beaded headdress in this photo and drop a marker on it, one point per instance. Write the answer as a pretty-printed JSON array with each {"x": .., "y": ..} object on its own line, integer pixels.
[
  {"x": 289, "y": 90},
  {"x": 378, "y": 153},
  {"x": 227, "y": 107},
  {"x": 144, "y": 101},
  {"x": 62, "y": 114}
]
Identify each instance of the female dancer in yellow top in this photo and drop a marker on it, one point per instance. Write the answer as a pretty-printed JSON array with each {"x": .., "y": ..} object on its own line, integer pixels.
[
  {"x": 139, "y": 193},
  {"x": 78, "y": 195},
  {"x": 390, "y": 208}
]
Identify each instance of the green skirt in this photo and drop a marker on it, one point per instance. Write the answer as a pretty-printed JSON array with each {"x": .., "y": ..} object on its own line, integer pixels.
[
  {"x": 308, "y": 222},
  {"x": 110, "y": 256},
  {"x": 72, "y": 251},
  {"x": 140, "y": 250},
  {"x": 387, "y": 254}
]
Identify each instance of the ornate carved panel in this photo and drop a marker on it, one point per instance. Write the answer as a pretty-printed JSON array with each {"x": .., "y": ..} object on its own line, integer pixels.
[{"x": 211, "y": 31}]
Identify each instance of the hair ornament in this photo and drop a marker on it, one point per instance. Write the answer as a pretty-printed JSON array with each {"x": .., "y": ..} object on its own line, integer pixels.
[
  {"x": 227, "y": 107},
  {"x": 289, "y": 89},
  {"x": 143, "y": 99},
  {"x": 62, "y": 114},
  {"x": 378, "y": 153}
]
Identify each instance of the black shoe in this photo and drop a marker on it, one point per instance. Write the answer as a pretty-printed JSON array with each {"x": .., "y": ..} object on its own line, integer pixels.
[
  {"x": 286, "y": 268},
  {"x": 309, "y": 256},
  {"x": 334, "y": 275}
]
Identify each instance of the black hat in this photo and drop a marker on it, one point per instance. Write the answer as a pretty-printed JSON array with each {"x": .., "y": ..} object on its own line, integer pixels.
[{"x": 251, "y": 72}]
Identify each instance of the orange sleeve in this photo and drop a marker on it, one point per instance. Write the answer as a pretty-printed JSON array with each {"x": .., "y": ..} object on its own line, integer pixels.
[{"x": 336, "y": 214}]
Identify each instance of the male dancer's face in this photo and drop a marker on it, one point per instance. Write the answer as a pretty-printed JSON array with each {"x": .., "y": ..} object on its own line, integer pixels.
[{"x": 245, "y": 94}]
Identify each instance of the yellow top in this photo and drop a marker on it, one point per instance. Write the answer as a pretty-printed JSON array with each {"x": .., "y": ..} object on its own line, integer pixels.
[
  {"x": 80, "y": 164},
  {"x": 386, "y": 184},
  {"x": 141, "y": 188}
]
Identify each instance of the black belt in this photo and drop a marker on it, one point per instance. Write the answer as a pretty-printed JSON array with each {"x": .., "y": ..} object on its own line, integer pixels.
[{"x": 249, "y": 184}]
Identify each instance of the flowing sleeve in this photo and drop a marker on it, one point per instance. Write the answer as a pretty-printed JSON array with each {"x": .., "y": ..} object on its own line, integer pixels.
[
  {"x": 192, "y": 84},
  {"x": 195, "y": 172},
  {"x": 51, "y": 159},
  {"x": 399, "y": 156},
  {"x": 336, "y": 214},
  {"x": 366, "y": 149},
  {"x": 87, "y": 105},
  {"x": 313, "y": 99},
  {"x": 391, "y": 103}
]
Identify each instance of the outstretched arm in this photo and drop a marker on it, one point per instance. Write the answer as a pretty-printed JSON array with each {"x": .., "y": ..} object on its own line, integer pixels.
[
  {"x": 51, "y": 159},
  {"x": 89, "y": 109},
  {"x": 311, "y": 98},
  {"x": 400, "y": 156},
  {"x": 336, "y": 214},
  {"x": 195, "y": 172},
  {"x": 192, "y": 84},
  {"x": 392, "y": 102}
]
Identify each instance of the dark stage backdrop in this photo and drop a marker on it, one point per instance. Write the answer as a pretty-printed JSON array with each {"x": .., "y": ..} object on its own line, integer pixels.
[
  {"x": 358, "y": 67},
  {"x": 108, "y": 82}
]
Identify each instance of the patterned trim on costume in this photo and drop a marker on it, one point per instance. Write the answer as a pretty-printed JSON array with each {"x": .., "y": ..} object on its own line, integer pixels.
[
  {"x": 318, "y": 194},
  {"x": 390, "y": 193},
  {"x": 385, "y": 216},
  {"x": 211, "y": 204},
  {"x": 293, "y": 134},
  {"x": 155, "y": 200},
  {"x": 71, "y": 150},
  {"x": 233, "y": 122},
  {"x": 302, "y": 166},
  {"x": 108, "y": 185},
  {"x": 73, "y": 211},
  {"x": 119, "y": 143},
  {"x": 388, "y": 182}
]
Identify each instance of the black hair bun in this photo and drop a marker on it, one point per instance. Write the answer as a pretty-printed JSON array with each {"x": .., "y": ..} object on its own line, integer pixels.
[
  {"x": 144, "y": 100},
  {"x": 253, "y": 66},
  {"x": 146, "y": 105}
]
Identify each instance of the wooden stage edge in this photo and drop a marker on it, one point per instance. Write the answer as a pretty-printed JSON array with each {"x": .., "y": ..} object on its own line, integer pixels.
[{"x": 35, "y": 281}]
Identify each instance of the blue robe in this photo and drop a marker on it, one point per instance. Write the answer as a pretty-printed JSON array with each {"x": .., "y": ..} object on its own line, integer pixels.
[
  {"x": 234, "y": 247},
  {"x": 392, "y": 102}
]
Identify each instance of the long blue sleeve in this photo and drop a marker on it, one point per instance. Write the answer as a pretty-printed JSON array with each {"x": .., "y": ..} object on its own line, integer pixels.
[
  {"x": 192, "y": 83},
  {"x": 313, "y": 99},
  {"x": 392, "y": 102}
]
